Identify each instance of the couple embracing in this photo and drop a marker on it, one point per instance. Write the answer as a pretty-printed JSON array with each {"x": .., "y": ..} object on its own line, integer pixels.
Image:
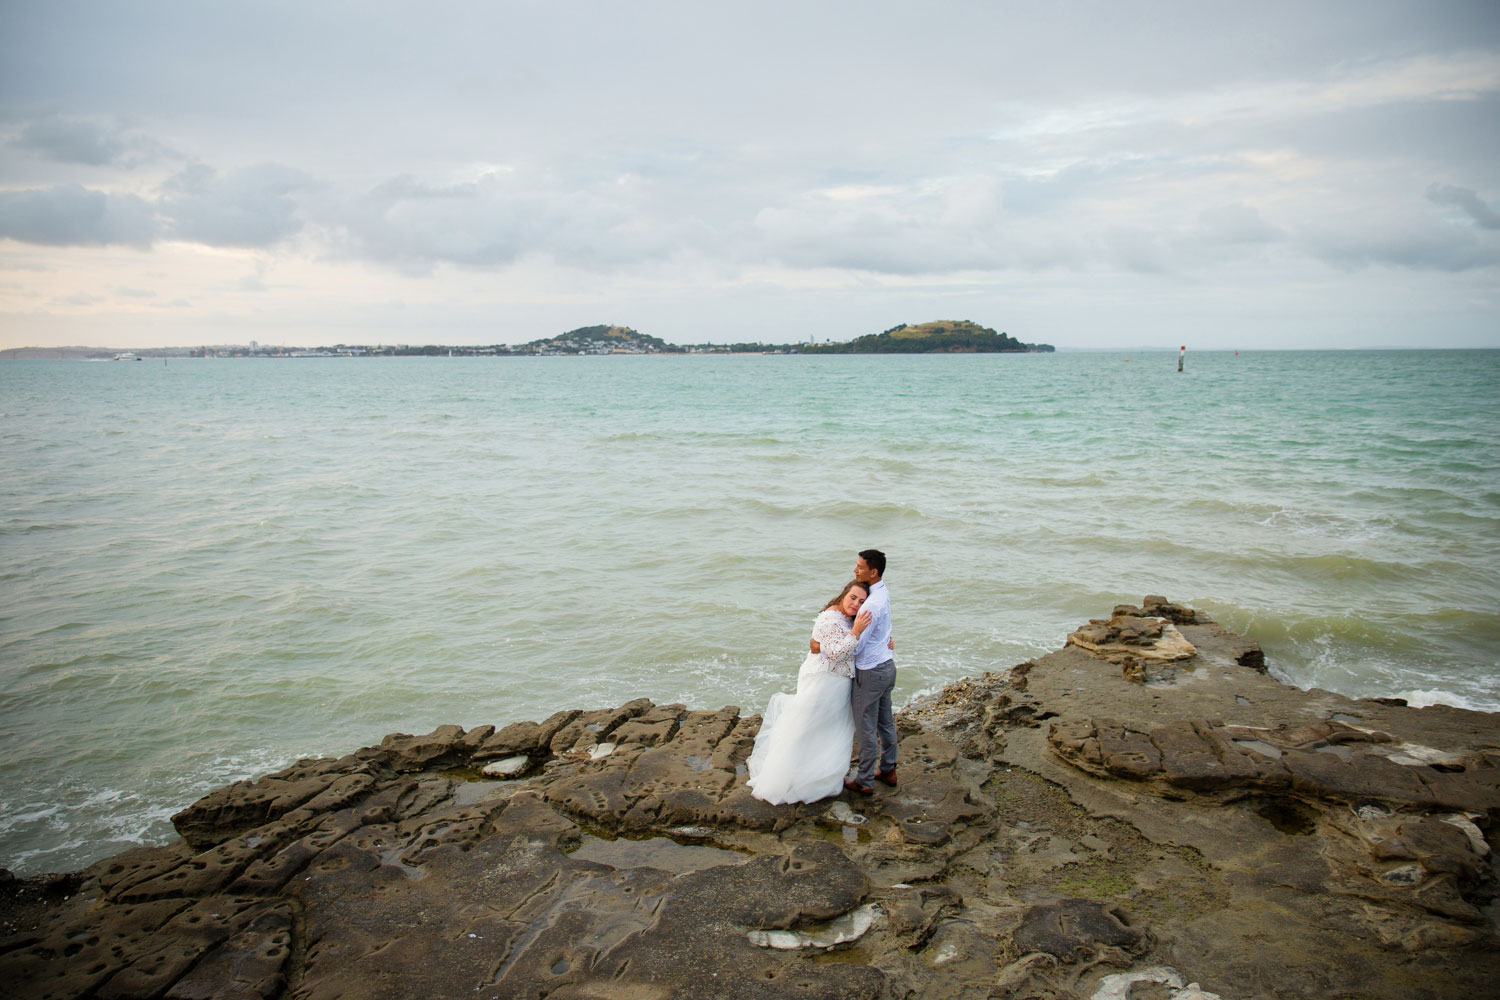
[{"x": 802, "y": 751}]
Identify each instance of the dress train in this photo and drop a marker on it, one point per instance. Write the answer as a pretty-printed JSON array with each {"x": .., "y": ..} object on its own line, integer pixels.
[{"x": 804, "y": 745}]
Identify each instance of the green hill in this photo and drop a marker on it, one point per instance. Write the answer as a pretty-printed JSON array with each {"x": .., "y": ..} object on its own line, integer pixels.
[
  {"x": 937, "y": 337},
  {"x": 601, "y": 339}
]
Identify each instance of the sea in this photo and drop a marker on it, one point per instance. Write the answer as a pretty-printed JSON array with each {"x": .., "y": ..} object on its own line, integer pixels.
[{"x": 213, "y": 568}]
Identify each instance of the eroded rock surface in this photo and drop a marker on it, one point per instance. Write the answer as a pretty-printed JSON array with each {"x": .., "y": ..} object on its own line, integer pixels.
[{"x": 1065, "y": 829}]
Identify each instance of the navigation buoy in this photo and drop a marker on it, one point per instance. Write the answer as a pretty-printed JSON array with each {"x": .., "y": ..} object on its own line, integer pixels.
[{"x": 1180, "y": 352}]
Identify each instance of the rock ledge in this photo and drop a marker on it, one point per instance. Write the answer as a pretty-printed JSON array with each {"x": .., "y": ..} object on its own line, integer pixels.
[{"x": 1144, "y": 813}]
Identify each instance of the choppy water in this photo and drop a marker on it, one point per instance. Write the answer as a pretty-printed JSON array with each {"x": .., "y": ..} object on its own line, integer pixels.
[{"x": 211, "y": 568}]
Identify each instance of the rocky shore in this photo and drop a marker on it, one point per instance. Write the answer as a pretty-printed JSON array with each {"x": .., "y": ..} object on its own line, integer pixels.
[{"x": 1144, "y": 814}]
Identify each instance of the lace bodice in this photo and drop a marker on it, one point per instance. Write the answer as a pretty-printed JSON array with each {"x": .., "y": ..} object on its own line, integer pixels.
[{"x": 837, "y": 643}]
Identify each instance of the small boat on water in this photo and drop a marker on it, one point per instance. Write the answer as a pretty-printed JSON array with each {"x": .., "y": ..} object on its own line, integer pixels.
[{"x": 128, "y": 356}]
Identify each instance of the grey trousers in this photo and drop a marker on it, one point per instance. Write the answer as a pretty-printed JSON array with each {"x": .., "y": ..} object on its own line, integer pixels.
[{"x": 873, "y": 718}]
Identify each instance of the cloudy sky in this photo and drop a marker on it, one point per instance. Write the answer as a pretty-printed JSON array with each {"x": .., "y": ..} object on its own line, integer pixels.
[{"x": 1226, "y": 175}]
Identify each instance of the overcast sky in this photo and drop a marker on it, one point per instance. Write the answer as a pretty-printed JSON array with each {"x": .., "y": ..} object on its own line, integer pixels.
[{"x": 1225, "y": 175}]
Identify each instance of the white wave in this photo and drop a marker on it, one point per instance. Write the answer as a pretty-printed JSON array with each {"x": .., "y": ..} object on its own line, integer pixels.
[
  {"x": 38, "y": 812},
  {"x": 1422, "y": 698},
  {"x": 102, "y": 797}
]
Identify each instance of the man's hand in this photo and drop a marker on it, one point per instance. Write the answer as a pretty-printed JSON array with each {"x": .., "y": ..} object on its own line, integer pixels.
[
  {"x": 813, "y": 645},
  {"x": 891, "y": 644}
]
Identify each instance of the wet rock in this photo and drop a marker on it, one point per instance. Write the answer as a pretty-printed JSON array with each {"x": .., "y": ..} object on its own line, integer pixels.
[
  {"x": 960, "y": 951},
  {"x": 1120, "y": 986},
  {"x": 1138, "y": 638},
  {"x": 1158, "y": 606},
  {"x": 509, "y": 767},
  {"x": 1325, "y": 761},
  {"x": 588, "y": 728},
  {"x": 1440, "y": 847},
  {"x": 652, "y": 727},
  {"x": 840, "y": 930},
  {"x": 443, "y": 747},
  {"x": 1076, "y": 930},
  {"x": 246, "y": 805},
  {"x": 524, "y": 737}
]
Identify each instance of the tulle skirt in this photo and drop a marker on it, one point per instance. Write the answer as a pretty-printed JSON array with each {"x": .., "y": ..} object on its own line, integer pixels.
[{"x": 803, "y": 748}]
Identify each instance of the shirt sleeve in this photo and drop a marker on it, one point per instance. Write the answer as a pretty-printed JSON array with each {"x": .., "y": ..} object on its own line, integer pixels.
[
  {"x": 834, "y": 637},
  {"x": 880, "y": 617}
]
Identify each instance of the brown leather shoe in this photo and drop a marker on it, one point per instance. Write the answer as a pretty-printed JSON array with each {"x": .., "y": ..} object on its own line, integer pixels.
[
  {"x": 889, "y": 777},
  {"x": 855, "y": 786}
]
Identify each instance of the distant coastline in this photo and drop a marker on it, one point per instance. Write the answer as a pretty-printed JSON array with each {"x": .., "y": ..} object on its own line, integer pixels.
[{"x": 937, "y": 337}]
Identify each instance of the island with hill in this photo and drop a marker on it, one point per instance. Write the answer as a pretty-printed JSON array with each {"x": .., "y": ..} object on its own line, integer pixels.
[
  {"x": 600, "y": 339},
  {"x": 937, "y": 337}
]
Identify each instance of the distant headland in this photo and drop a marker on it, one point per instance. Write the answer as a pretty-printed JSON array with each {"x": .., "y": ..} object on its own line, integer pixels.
[{"x": 936, "y": 337}]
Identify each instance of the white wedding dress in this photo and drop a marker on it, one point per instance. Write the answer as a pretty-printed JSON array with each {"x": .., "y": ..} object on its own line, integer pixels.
[{"x": 803, "y": 748}]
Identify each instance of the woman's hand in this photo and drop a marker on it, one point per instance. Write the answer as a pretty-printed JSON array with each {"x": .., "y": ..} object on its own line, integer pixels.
[{"x": 861, "y": 623}]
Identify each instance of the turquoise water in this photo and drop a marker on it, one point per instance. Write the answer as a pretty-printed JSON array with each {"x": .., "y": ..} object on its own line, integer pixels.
[{"x": 212, "y": 568}]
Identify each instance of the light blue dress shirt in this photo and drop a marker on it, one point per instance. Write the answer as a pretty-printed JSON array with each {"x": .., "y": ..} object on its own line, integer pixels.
[{"x": 872, "y": 651}]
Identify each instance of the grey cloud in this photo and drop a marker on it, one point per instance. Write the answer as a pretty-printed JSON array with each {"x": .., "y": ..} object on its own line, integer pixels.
[
  {"x": 1136, "y": 250},
  {"x": 895, "y": 229},
  {"x": 411, "y": 225},
  {"x": 70, "y": 140},
  {"x": 496, "y": 220},
  {"x": 1416, "y": 247},
  {"x": 77, "y": 299},
  {"x": 135, "y": 293},
  {"x": 250, "y": 207},
  {"x": 1236, "y": 223},
  {"x": 1447, "y": 194},
  {"x": 72, "y": 215},
  {"x": 1406, "y": 236},
  {"x": 408, "y": 188}
]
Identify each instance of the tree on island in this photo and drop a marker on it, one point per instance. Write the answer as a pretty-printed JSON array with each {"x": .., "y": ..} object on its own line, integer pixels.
[{"x": 937, "y": 337}]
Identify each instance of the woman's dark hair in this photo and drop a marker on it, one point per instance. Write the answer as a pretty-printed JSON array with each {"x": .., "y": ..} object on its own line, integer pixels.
[{"x": 847, "y": 587}]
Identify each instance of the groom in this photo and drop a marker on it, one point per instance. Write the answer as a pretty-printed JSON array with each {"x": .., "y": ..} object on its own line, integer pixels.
[{"x": 874, "y": 677}]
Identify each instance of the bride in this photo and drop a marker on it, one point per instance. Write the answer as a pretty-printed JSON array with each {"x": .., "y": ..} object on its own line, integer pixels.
[{"x": 802, "y": 750}]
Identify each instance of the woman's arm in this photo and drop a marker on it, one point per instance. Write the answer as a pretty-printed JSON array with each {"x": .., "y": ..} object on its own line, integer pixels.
[
  {"x": 835, "y": 639},
  {"x": 814, "y": 646}
]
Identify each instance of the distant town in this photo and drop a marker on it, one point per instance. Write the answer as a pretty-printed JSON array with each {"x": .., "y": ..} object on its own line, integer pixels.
[{"x": 943, "y": 336}]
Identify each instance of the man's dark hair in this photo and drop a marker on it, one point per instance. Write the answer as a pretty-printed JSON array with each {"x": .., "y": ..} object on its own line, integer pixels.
[{"x": 875, "y": 559}]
